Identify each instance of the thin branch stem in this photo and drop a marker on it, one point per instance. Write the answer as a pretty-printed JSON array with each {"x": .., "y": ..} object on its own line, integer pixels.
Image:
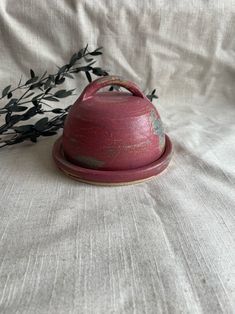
[
  {"x": 44, "y": 79},
  {"x": 22, "y": 96}
]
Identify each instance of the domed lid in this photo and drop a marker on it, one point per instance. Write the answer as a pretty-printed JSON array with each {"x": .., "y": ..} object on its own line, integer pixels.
[{"x": 111, "y": 105}]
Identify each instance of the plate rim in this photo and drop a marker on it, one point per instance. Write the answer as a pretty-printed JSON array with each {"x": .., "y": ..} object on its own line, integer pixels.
[{"x": 111, "y": 177}]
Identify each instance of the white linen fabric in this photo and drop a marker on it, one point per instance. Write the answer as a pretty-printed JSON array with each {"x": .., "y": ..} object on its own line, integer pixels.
[{"x": 163, "y": 246}]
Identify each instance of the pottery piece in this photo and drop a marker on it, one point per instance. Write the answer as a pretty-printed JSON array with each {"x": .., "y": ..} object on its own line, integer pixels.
[{"x": 112, "y": 131}]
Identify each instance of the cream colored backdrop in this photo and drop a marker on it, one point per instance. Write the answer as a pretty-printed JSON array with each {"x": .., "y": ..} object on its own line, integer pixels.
[{"x": 164, "y": 246}]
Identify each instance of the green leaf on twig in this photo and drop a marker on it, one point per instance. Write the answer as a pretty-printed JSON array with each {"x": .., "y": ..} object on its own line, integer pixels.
[
  {"x": 32, "y": 73},
  {"x": 6, "y": 90}
]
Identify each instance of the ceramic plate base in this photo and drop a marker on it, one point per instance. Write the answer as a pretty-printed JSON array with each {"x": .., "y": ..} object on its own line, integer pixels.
[{"x": 106, "y": 177}]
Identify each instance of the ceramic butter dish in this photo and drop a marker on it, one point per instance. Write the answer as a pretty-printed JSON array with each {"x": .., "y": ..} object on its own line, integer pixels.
[{"x": 112, "y": 137}]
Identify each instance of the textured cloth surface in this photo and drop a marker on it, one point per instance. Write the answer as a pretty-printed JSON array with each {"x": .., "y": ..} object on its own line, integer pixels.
[{"x": 163, "y": 246}]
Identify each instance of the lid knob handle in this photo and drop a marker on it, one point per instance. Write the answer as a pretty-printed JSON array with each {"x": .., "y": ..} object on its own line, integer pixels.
[{"x": 94, "y": 86}]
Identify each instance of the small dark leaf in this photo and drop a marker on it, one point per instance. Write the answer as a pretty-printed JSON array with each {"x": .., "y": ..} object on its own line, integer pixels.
[
  {"x": 57, "y": 78},
  {"x": 95, "y": 53},
  {"x": 62, "y": 69},
  {"x": 88, "y": 76},
  {"x": 40, "y": 124},
  {"x": 23, "y": 128},
  {"x": 32, "y": 74},
  {"x": 48, "y": 133},
  {"x": 99, "y": 72},
  {"x": 39, "y": 106},
  {"x": 17, "y": 108},
  {"x": 35, "y": 102},
  {"x": 52, "y": 77},
  {"x": 59, "y": 122},
  {"x": 48, "y": 90},
  {"x": 37, "y": 96},
  {"x": 9, "y": 95},
  {"x": 82, "y": 69},
  {"x": 73, "y": 59},
  {"x": 29, "y": 113},
  {"x": 58, "y": 110},
  {"x": 152, "y": 95},
  {"x": 61, "y": 93},
  {"x": 15, "y": 118},
  {"x": 3, "y": 128},
  {"x": 6, "y": 90},
  {"x": 32, "y": 80},
  {"x": 80, "y": 54},
  {"x": 51, "y": 98},
  {"x": 11, "y": 102},
  {"x": 60, "y": 81},
  {"x": 8, "y": 117},
  {"x": 36, "y": 85},
  {"x": 70, "y": 92}
]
